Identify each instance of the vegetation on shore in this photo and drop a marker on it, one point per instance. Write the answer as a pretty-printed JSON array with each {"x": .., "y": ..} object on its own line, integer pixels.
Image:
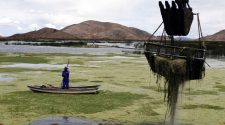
[
  {"x": 128, "y": 92},
  {"x": 26, "y": 104}
]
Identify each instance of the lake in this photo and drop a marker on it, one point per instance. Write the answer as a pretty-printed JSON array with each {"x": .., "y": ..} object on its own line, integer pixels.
[{"x": 50, "y": 49}]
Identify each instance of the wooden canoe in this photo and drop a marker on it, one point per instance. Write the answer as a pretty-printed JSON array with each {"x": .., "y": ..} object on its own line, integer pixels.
[{"x": 72, "y": 90}]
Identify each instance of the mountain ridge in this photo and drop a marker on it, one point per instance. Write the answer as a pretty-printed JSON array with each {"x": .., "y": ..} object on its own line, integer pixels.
[
  {"x": 96, "y": 30},
  {"x": 86, "y": 30},
  {"x": 219, "y": 36}
]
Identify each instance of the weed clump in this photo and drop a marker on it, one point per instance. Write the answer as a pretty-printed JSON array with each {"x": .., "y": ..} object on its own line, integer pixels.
[{"x": 175, "y": 71}]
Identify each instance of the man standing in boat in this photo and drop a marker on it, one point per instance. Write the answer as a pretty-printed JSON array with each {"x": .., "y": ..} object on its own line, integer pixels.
[{"x": 65, "y": 75}]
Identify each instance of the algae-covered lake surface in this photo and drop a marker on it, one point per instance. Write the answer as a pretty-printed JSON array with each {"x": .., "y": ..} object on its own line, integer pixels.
[{"x": 128, "y": 92}]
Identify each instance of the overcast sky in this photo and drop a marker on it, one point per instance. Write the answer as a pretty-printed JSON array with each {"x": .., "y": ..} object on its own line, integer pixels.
[{"x": 19, "y": 16}]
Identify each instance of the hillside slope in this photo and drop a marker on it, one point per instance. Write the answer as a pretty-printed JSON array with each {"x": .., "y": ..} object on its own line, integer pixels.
[
  {"x": 86, "y": 30},
  {"x": 105, "y": 30},
  {"x": 219, "y": 36}
]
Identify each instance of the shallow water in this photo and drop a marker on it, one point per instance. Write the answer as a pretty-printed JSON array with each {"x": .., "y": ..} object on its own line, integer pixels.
[
  {"x": 122, "y": 57},
  {"x": 49, "y": 49},
  {"x": 215, "y": 63},
  {"x": 6, "y": 78},
  {"x": 57, "y": 120},
  {"x": 35, "y": 66}
]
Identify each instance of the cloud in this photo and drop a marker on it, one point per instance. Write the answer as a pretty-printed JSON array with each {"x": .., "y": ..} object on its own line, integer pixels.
[
  {"x": 5, "y": 21},
  {"x": 143, "y": 14},
  {"x": 34, "y": 27},
  {"x": 63, "y": 19},
  {"x": 19, "y": 28},
  {"x": 50, "y": 25}
]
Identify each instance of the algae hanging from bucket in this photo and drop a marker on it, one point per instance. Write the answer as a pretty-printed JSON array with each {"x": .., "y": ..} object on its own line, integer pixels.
[{"x": 176, "y": 64}]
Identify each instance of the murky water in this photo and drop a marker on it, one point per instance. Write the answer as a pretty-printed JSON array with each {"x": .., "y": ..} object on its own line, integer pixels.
[{"x": 56, "y": 120}]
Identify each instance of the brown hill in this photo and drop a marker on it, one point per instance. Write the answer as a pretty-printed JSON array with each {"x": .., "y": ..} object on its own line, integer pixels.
[
  {"x": 105, "y": 30},
  {"x": 86, "y": 30},
  {"x": 39, "y": 34},
  {"x": 60, "y": 35},
  {"x": 44, "y": 33},
  {"x": 1, "y": 38},
  {"x": 219, "y": 36}
]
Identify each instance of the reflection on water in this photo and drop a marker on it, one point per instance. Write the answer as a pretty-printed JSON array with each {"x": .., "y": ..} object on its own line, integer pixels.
[{"x": 57, "y": 120}]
